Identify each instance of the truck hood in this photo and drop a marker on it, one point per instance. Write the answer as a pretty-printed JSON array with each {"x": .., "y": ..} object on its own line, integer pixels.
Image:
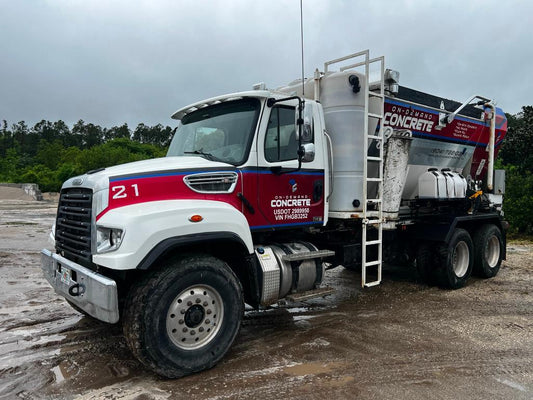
[{"x": 99, "y": 179}]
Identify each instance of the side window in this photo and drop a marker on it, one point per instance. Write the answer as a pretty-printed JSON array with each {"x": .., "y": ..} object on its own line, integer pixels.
[{"x": 281, "y": 143}]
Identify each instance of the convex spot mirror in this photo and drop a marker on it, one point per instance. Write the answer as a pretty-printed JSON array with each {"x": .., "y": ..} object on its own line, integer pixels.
[{"x": 307, "y": 152}]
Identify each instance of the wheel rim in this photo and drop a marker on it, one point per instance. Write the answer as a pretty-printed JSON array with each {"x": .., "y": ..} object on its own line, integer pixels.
[
  {"x": 195, "y": 317},
  {"x": 492, "y": 252},
  {"x": 461, "y": 259}
]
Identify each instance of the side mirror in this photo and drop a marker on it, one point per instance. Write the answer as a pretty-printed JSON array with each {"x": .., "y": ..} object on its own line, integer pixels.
[
  {"x": 307, "y": 123},
  {"x": 307, "y": 152}
]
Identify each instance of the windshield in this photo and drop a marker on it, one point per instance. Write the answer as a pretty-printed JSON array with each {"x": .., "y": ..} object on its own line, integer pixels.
[{"x": 222, "y": 132}]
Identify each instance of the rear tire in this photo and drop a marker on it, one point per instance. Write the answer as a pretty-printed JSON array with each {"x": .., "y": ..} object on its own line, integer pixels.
[
  {"x": 183, "y": 318},
  {"x": 488, "y": 251},
  {"x": 456, "y": 260}
]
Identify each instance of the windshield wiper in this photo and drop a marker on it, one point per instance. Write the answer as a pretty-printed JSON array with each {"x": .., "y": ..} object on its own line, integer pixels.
[{"x": 209, "y": 156}]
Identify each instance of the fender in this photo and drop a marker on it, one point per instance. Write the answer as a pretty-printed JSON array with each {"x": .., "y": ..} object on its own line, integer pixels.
[
  {"x": 442, "y": 231},
  {"x": 172, "y": 243},
  {"x": 146, "y": 225}
]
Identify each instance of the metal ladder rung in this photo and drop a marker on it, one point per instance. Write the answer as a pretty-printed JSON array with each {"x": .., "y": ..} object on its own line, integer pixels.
[
  {"x": 375, "y": 138},
  {"x": 372, "y": 263},
  {"x": 372, "y": 115},
  {"x": 376, "y": 95},
  {"x": 374, "y": 283},
  {"x": 373, "y": 200},
  {"x": 372, "y": 222},
  {"x": 373, "y": 242},
  {"x": 369, "y": 158},
  {"x": 374, "y": 180}
]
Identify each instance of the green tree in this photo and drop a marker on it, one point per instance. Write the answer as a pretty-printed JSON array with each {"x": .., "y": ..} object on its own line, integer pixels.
[{"x": 517, "y": 148}]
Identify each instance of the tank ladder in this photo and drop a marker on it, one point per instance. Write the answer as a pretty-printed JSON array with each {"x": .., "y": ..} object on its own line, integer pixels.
[
  {"x": 372, "y": 216},
  {"x": 372, "y": 222},
  {"x": 372, "y": 232}
]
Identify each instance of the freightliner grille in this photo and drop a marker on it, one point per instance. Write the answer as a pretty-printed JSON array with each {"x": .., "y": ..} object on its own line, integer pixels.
[{"x": 73, "y": 225}]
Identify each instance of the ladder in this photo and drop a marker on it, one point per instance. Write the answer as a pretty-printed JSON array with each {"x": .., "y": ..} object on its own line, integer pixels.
[
  {"x": 372, "y": 222},
  {"x": 372, "y": 217}
]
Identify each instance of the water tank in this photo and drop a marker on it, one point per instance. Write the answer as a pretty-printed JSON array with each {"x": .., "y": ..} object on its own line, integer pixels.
[
  {"x": 344, "y": 115},
  {"x": 432, "y": 185}
]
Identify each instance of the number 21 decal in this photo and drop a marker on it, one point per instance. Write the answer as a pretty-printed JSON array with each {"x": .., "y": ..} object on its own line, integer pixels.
[{"x": 120, "y": 191}]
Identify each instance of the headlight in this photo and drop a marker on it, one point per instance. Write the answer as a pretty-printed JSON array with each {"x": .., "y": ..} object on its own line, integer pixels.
[{"x": 108, "y": 239}]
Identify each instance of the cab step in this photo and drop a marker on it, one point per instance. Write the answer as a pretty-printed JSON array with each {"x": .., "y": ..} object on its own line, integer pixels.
[
  {"x": 308, "y": 255},
  {"x": 311, "y": 294}
]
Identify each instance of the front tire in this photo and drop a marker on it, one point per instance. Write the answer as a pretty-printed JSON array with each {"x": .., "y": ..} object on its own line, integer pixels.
[
  {"x": 183, "y": 318},
  {"x": 488, "y": 251},
  {"x": 456, "y": 260}
]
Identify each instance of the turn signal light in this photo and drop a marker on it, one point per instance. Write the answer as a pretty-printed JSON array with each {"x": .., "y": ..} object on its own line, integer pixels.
[{"x": 196, "y": 218}]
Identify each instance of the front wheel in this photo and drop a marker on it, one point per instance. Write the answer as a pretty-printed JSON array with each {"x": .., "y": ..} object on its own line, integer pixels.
[
  {"x": 456, "y": 260},
  {"x": 183, "y": 318},
  {"x": 488, "y": 248}
]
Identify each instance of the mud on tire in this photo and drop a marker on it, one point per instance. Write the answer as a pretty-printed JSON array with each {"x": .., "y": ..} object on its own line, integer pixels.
[
  {"x": 183, "y": 317},
  {"x": 488, "y": 251}
]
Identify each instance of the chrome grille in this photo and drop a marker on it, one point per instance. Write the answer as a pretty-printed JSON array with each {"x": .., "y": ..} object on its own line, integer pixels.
[
  {"x": 212, "y": 182},
  {"x": 73, "y": 225}
]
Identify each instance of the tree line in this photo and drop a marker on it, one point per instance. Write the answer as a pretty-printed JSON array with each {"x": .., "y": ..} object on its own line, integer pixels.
[
  {"x": 516, "y": 157},
  {"x": 50, "y": 152}
]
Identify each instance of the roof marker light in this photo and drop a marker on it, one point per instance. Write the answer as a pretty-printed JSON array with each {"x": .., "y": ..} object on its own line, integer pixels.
[{"x": 196, "y": 218}]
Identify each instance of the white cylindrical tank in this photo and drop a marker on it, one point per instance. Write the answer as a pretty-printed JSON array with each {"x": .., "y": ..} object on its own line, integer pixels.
[{"x": 344, "y": 115}]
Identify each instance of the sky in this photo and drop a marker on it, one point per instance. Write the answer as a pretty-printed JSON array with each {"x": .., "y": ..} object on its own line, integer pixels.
[{"x": 111, "y": 62}]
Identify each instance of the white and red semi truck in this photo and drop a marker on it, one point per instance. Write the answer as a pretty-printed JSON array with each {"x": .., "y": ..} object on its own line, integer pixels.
[{"x": 263, "y": 191}]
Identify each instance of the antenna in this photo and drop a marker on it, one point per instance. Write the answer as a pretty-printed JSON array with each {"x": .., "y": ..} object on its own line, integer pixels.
[{"x": 302, "y": 41}]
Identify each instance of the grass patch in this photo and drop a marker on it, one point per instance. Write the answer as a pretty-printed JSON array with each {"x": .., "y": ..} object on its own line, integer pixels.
[{"x": 519, "y": 238}]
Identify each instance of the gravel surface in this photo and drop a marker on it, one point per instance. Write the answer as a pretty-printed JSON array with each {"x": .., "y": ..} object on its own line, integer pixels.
[{"x": 401, "y": 340}]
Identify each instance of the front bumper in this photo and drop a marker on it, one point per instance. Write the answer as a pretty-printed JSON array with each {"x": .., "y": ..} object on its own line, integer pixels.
[{"x": 92, "y": 292}]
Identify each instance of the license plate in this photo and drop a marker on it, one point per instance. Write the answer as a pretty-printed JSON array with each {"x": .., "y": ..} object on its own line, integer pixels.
[{"x": 66, "y": 275}]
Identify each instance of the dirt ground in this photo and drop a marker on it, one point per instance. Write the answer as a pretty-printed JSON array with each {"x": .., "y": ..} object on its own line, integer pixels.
[{"x": 400, "y": 340}]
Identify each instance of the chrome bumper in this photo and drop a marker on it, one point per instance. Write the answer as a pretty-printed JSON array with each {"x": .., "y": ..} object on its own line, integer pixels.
[{"x": 90, "y": 291}]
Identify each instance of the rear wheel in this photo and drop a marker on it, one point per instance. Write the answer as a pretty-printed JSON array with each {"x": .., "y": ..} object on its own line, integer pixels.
[
  {"x": 456, "y": 260},
  {"x": 488, "y": 251},
  {"x": 184, "y": 317}
]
